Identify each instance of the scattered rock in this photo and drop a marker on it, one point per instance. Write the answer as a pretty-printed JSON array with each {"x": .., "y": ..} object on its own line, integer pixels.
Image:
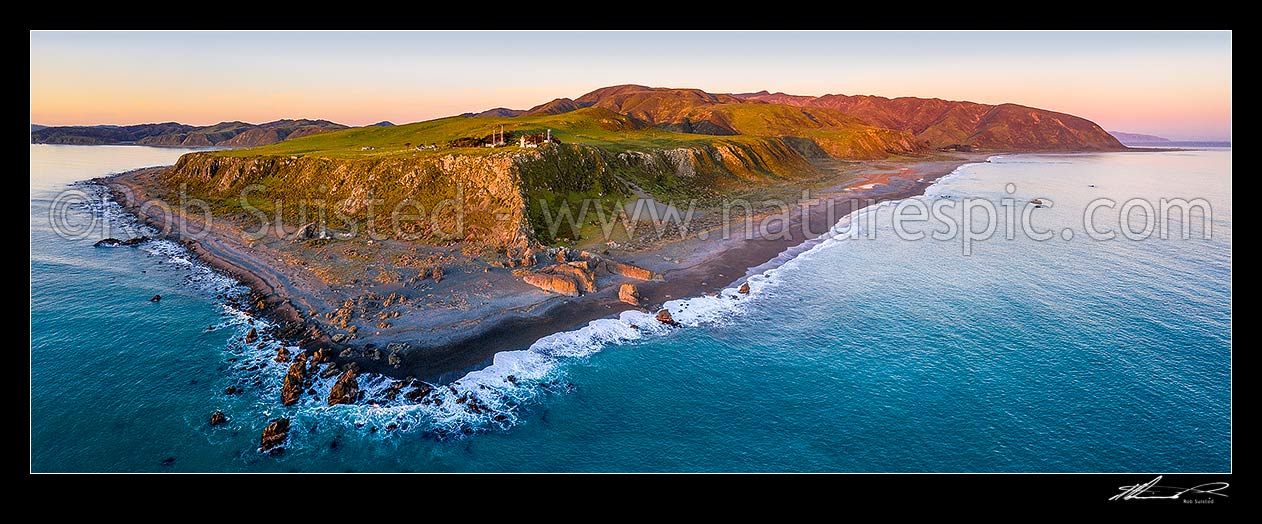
[
  {"x": 217, "y": 418},
  {"x": 231, "y": 390},
  {"x": 373, "y": 354},
  {"x": 511, "y": 379},
  {"x": 347, "y": 353},
  {"x": 394, "y": 360},
  {"x": 744, "y": 290},
  {"x": 337, "y": 338},
  {"x": 346, "y": 390},
  {"x": 322, "y": 355},
  {"x": 395, "y": 347},
  {"x": 437, "y": 274},
  {"x": 282, "y": 354},
  {"x": 629, "y": 294},
  {"x": 156, "y": 298},
  {"x": 274, "y": 436},
  {"x": 251, "y": 336},
  {"x": 291, "y": 391},
  {"x": 664, "y": 317},
  {"x": 418, "y": 392}
]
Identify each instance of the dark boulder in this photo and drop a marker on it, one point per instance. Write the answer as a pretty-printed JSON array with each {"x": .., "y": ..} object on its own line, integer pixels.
[
  {"x": 251, "y": 336},
  {"x": 155, "y": 298},
  {"x": 274, "y": 436},
  {"x": 322, "y": 355},
  {"x": 217, "y": 418},
  {"x": 346, "y": 390},
  {"x": 291, "y": 391},
  {"x": 112, "y": 242},
  {"x": 664, "y": 317},
  {"x": 629, "y": 294}
]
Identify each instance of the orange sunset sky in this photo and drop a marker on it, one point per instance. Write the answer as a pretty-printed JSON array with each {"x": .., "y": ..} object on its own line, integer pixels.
[{"x": 1174, "y": 84}]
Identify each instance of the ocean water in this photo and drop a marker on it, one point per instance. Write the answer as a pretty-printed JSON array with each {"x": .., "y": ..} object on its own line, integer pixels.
[{"x": 869, "y": 354}]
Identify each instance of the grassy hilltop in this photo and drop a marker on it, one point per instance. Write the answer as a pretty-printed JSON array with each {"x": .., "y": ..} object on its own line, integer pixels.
[{"x": 615, "y": 143}]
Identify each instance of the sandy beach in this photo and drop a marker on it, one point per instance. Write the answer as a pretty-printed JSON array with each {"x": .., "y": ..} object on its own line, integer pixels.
[{"x": 383, "y": 297}]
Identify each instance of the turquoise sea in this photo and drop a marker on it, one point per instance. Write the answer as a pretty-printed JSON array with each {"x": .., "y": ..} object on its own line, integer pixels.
[{"x": 870, "y": 354}]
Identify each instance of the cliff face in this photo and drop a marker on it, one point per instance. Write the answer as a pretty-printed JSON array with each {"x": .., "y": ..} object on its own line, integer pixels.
[
  {"x": 477, "y": 199},
  {"x": 498, "y": 200}
]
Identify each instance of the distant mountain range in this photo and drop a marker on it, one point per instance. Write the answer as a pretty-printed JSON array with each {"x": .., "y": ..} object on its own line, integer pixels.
[
  {"x": 226, "y": 134},
  {"x": 842, "y": 126},
  {"x": 1136, "y": 138}
]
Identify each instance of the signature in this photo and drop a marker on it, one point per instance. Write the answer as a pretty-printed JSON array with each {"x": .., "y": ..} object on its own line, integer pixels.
[{"x": 1151, "y": 490}]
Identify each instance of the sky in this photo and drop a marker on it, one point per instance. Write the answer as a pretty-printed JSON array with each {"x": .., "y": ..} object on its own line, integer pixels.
[{"x": 1173, "y": 84}]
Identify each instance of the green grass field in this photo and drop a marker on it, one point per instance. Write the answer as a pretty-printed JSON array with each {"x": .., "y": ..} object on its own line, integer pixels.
[{"x": 592, "y": 126}]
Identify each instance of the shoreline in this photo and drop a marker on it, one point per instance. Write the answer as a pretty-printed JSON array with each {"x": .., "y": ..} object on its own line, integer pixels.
[{"x": 700, "y": 266}]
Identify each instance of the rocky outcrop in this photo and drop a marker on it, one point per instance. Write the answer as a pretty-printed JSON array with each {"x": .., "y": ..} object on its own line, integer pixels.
[
  {"x": 274, "y": 436},
  {"x": 553, "y": 283},
  {"x": 419, "y": 391},
  {"x": 113, "y": 242},
  {"x": 217, "y": 418},
  {"x": 629, "y": 294},
  {"x": 744, "y": 290},
  {"x": 578, "y": 271},
  {"x": 251, "y": 336},
  {"x": 567, "y": 278},
  {"x": 630, "y": 271},
  {"x": 664, "y": 317},
  {"x": 282, "y": 354},
  {"x": 307, "y": 231},
  {"x": 291, "y": 391},
  {"x": 346, "y": 390}
]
